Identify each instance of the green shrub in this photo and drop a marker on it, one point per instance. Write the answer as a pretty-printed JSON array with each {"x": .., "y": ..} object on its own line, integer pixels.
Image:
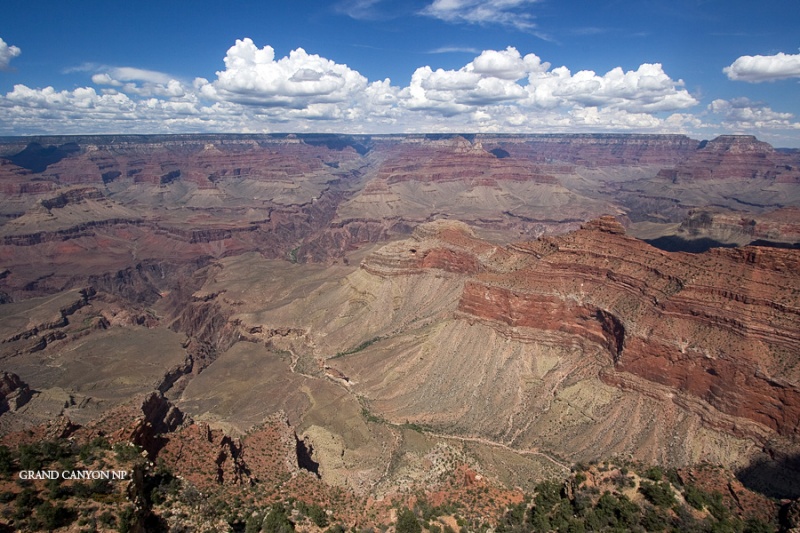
[
  {"x": 6, "y": 461},
  {"x": 27, "y": 500},
  {"x": 407, "y": 522},
  {"x": 317, "y": 515},
  {"x": 616, "y": 512},
  {"x": 654, "y": 520},
  {"x": 253, "y": 524},
  {"x": 127, "y": 452},
  {"x": 125, "y": 522},
  {"x": 107, "y": 519},
  {"x": 716, "y": 506},
  {"x": 654, "y": 473},
  {"x": 695, "y": 497},
  {"x": 659, "y": 494},
  {"x": 672, "y": 477},
  {"x": 277, "y": 521},
  {"x": 755, "y": 525},
  {"x": 53, "y": 517},
  {"x": 548, "y": 493}
]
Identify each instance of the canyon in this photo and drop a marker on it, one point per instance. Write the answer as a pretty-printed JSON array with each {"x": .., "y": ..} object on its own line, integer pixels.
[{"x": 387, "y": 307}]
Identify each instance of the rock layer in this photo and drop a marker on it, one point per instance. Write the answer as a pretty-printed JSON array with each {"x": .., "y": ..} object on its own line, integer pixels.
[{"x": 721, "y": 326}]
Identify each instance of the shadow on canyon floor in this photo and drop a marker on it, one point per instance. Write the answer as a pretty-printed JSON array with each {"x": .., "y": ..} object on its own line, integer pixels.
[
  {"x": 673, "y": 243},
  {"x": 776, "y": 478},
  {"x": 762, "y": 242}
]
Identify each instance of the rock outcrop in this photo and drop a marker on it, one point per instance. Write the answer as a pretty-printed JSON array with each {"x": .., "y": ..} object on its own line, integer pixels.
[
  {"x": 720, "y": 326},
  {"x": 14, "y": 393},
  {"x": 596, "y": 150},
  {"x": 779, "y": 228},
  {"x": 736, "y": 157}
]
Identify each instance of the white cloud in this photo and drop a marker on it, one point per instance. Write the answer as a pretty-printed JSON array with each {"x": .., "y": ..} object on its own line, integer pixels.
[
  {"x": 7, "y": 53},
  {"x": 358, "y": 9},
  {"x": 253, "y": 77},
  {"x": 742, "y": 114},
  {"x": 454, "y": 49},
  {"x": 256, "y": 91},
  {"x": 756, "y": 69},
  {"x": 134, "y": 81},
  {"x": 137, "y": 74},
  {"x": 506, "y": 64},
  {"x": 489, "y": 79},
  {"x": 493, "y": 78},
  {"x": 648, "y": 89},
  {"x": 84, "y": 110},
  {"x": 593, "y": 117},
  {"x": 503, "y": 12}
]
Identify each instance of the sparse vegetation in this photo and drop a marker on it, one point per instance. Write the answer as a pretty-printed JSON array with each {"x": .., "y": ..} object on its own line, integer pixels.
[
  {"x": 594, "y": 498},
  {"x": 369, "y": 417},
  {"x": 360, "y": 347},
  {"x": 659, "y": 494},
  {"x": 407, "y": 522}
]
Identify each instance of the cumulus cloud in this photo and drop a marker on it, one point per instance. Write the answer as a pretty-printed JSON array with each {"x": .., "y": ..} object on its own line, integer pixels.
[
  {"x": 756, "y": 69},
  {"x": 258, "y": 91},
  {"x": 648, "y": 89},
  {"x": 489, "y": 79},
  {"x": 494, "y": 77},
  {"x": 504, "y": 12},
  {"x": 507, "y": 64},
  {"x": 745, "y": 114},
  {"x": 593, "y": 117},
  {"x": 85, "y": 110},
  {"x": 7, "y": 53},
  {"x": 254, "y": 77}
]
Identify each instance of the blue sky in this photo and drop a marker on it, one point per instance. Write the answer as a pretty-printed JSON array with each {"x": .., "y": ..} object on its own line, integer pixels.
[{"x": 700, "y": 67}]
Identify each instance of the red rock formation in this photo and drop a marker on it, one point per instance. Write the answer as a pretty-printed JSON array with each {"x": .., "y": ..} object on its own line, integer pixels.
[
  {"x": 454, "y": 160},
  {"x": 721, "y": 326},
  {"x": 16, "y": 180},
  {"x": 445, "y": 245},
  {"x": 14, "y": 393},
  {"x": 200, "y": 161},
  {"x": 737, "y": 157},
  {"x": 156, "y": 416},
  {"x": 595, "y": 149},
  {"x": 735, "y": 496},
  {"x": 205, "y": 456},
  {"x": 779, "y": 226}
]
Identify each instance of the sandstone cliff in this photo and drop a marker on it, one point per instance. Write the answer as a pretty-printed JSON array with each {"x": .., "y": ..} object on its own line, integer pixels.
[{"x": 704, "y": 344}]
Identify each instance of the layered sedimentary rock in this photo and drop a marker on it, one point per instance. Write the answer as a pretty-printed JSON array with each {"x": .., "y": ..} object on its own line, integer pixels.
[
  {"x": 319, "y": 196},
  {"x": 777, "y": 228},
  {"x": 596, "y": 149},
  {"x": 736, "y": 157},
  {"x": 585, "y": 344},
  {"x": 459, "y": 177},
  {"x": 721, "y": 326}
]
